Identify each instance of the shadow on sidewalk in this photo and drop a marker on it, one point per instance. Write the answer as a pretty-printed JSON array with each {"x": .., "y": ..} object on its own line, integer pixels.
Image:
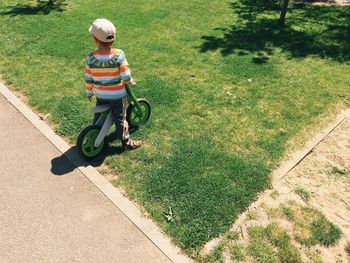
[{"x": 62, "y": 165}]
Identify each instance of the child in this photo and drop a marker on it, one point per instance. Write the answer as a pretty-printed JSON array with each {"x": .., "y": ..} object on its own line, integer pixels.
[{"x": 107, "y": 72}]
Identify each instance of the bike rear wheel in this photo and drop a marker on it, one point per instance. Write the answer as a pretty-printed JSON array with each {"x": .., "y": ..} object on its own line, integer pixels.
[{"x": 85, "y": 142}]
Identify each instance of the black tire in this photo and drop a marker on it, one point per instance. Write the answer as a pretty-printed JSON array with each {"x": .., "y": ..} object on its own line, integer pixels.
[
  {"x": 131, "y": 111},
  {"x": 82, "y": 139}
]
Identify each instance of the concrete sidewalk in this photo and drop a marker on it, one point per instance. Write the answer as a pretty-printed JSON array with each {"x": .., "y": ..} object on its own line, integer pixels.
[{"x": 50, "y": 218}]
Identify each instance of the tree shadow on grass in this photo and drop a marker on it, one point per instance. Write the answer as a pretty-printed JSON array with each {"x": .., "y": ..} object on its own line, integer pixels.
[
  {"x": 43, "y": 7},
  {"x": 311, "y": 30}
]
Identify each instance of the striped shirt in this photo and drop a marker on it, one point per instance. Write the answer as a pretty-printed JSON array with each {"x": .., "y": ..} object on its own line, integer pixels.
[{"x": 106, "y": 74}]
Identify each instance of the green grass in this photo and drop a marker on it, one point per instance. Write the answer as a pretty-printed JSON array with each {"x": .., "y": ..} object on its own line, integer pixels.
[
  {"x": 215, "y": 256},
  {"x": 347, "y": 248},
  {"x": 339, "y": 171},
  {"x": 66, "y": 112},
  {"x": 272, "y": 244},
  {"x": 314, "y": 256},
  {"x": 238, "y": 252},
  {"x": 229, "y": 91},
  {"x": 274, "y": 194},
  {"x": 311, "y": 226},
  {"x": 324, "y": 232},
  {"x": 252, "y": 215},
  {"x": 304, "y": 194}
]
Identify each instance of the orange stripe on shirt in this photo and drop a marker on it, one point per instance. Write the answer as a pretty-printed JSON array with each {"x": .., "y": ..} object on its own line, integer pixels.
[
  {"x": 116, "y": 87},
  {"x": 89, "y": 86},
  {"x": 101, "y": 70},
  {"x": 124, "y": 68},
  {"x": 105, "y": 74}
]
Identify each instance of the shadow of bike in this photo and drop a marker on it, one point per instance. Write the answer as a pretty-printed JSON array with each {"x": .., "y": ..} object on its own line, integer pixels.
[{"x": 70, "y": 160}]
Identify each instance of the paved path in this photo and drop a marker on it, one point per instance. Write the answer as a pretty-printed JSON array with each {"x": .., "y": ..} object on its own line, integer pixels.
[{"x": 49, "y": 218}]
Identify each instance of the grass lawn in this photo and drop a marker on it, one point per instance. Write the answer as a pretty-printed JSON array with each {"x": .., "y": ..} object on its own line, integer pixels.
[{"x": 230, "y": 92}]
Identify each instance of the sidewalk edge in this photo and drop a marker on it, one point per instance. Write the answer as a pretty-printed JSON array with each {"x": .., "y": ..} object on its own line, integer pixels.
[{"x": 145, "y": 225}]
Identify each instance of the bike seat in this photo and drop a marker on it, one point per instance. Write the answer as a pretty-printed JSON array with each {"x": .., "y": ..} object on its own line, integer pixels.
[{"x": 101, "y": 108}]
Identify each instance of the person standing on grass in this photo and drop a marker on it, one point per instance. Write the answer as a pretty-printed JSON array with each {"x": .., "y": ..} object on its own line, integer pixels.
[{"x": 106, "y": 74}]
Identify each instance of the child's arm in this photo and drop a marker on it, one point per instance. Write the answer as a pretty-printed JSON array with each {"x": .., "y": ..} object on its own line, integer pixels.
[
  {"x": 124, "y": 70},
  {"x": 89, "y": 82}
]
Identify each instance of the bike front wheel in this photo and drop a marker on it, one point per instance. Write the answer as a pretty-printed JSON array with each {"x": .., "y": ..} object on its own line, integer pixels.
[{"x": 136, "y": 117}]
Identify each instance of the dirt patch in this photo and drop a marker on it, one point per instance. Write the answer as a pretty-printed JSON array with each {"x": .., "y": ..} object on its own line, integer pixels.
[{"x": 319, "y": 183}]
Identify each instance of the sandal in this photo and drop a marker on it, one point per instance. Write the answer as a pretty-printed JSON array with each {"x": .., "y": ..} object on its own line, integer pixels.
[{"x": 132, "y": 145}]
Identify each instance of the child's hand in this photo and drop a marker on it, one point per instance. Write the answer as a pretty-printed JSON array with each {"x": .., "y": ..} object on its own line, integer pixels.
[{"x": 132, "y": 82}]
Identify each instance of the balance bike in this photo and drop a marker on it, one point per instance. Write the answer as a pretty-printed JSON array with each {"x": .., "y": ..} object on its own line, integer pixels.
[{"x": 91, "y": 140}]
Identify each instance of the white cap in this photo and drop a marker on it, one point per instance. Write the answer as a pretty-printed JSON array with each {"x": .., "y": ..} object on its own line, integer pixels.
[{"x": 103, "y": 30}]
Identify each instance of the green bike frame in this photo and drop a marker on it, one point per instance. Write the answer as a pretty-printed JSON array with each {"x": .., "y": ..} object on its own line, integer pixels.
[{"x": 132, "y": 98}]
